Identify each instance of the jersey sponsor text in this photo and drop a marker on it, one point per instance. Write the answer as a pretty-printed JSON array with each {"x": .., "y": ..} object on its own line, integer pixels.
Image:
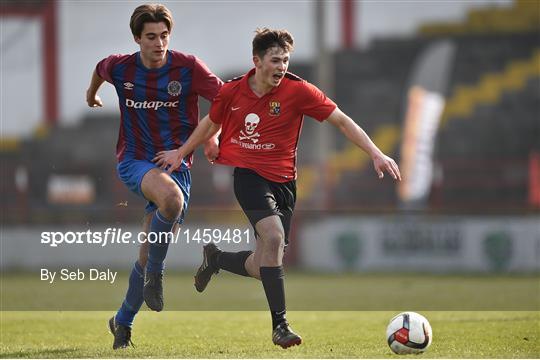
[{"x": 150, "y": 104}]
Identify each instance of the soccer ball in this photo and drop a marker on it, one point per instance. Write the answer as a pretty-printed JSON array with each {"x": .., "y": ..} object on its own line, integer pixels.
[{"x": 409, "y": 333}]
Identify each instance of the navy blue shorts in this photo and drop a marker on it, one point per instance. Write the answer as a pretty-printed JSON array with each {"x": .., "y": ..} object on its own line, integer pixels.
[{"x": 132, "y": 171}]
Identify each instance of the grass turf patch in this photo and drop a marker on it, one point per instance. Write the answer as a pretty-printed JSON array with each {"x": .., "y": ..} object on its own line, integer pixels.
[{"x": 247, "y": 334}]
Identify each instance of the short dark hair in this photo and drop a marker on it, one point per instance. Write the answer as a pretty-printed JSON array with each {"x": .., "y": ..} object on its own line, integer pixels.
[
  {"x": 266, "y": 38},
  {"x": 149, "y": 13}
]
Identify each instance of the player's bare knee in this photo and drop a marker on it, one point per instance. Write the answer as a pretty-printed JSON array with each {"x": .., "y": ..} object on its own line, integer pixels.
[
  {"x": 274, "y": 242},
  {"x": 172, "y": 204}
]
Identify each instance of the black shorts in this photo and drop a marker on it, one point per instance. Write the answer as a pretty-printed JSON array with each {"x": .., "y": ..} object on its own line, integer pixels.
[{"x": 260, "y": 198}]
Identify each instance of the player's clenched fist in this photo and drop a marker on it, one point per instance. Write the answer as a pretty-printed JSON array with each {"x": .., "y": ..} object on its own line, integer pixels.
[
  {"x": 211, "y": 149},
  {"x": 93, "y": 100}
]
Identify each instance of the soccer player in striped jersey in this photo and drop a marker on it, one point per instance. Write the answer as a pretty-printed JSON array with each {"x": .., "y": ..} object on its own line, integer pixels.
[
  {"x": 158, "y": 92},
  {"x": 260, "y": 116}
]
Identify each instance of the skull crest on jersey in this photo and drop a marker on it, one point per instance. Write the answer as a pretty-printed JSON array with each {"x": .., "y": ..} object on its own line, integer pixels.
[{"x": 251, "y": 122}]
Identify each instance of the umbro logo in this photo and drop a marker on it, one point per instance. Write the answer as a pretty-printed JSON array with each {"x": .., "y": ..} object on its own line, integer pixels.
[{"x": 128, "y": 86}]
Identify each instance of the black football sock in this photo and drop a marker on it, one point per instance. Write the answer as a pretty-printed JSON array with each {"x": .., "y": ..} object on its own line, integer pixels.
[
  {"x": 233, "y": 261},
  {"x": 273, "y": 282}
]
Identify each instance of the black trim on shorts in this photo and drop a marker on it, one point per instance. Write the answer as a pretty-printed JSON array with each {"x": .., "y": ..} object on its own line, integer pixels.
[{"x": 261, "y": 198}]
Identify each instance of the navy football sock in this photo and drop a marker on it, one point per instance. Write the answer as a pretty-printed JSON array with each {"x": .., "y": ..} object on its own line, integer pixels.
[
  {"x": 134, "y": 297},
  {"x": 157, "y": 250},
  {"x": 233, "y": 261},
  {"x": 272, "y": 279}
]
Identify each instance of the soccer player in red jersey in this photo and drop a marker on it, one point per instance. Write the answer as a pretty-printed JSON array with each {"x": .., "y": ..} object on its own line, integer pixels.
[
  {"x": 158, "y": 91},
  {"x": 260, "y": 116}
]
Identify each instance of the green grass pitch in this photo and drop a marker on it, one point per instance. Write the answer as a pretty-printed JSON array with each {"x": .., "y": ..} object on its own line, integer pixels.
[
  {"x": 237, "y": 334},
  {"x": 455, "y": 306}
]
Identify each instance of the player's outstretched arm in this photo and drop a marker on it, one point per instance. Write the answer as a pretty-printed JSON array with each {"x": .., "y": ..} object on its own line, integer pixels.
[
  {"x": 354, "y": 133},
  {"x": 172, "y": 159},
  {"x": 92, "y": 98}
]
